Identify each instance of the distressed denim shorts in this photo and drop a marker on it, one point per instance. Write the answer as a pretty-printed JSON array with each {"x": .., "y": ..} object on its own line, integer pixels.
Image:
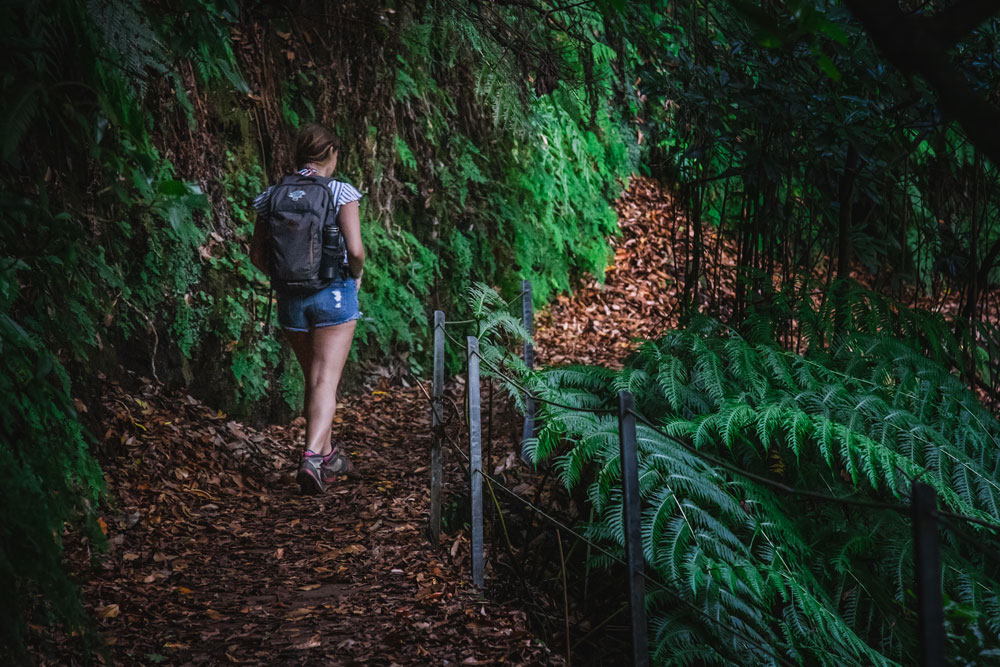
[{"x": 333, "y": 305}]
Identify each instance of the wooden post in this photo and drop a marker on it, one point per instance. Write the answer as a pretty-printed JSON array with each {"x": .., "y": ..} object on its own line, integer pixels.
[
  {"x": 633, "y": 528},
  {"x": 437, "y": 427},
  {"x": 927, "y": 564},
  {"x": 475, "y": 462},
  {"x": 528, "y": 321}
]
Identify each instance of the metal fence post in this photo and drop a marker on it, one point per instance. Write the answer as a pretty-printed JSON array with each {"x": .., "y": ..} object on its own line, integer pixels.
[
  {"x": 633, "y": 528},
  {"x": 927, "y": 565},
  {"x": 528, "y": 320},
  {"x": 437, "y": 426},
  {"x": 475, "y": 461}
]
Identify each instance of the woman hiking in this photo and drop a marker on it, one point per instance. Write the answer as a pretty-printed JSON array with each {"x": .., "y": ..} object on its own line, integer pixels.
[{"x": 308, "y": 240}]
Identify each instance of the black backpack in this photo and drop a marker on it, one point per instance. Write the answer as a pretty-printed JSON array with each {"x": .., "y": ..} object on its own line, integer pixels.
[{"x": 306, "y": 244}]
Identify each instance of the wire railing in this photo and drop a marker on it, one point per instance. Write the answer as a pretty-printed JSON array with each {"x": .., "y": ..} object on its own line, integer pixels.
[
  {"x": 509, "y": 303},
  {"x": 922, "y": 507},
  {"x": 494, "y": 482},
  {"x": 722, "y": 463}
]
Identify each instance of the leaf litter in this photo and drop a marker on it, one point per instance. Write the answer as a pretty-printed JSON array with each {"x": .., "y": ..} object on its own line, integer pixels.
[{"x": 214, "y": 557}]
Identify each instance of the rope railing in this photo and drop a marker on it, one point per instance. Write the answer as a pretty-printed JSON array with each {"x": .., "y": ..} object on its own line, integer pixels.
[
  {"x": 527, "y": 392},
  {"x": 493, "y": 481},
  {"x": 509, "y": 303},
  {"x": 922, "y": 508},
  {"x": 646, "y": 577},
  {"x": 969, "y": 519}
]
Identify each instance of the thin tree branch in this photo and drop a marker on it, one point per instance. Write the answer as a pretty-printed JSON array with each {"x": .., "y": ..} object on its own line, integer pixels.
[{"x": 909, "y": 47}]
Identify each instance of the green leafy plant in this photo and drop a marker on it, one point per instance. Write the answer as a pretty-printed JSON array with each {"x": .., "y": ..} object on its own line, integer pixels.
[
  {"x": 862, "y": 416},
  {"x": 47, "y": 477}
]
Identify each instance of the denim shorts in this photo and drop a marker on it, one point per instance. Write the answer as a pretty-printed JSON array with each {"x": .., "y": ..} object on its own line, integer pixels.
[{"x": 333, "y": 305}]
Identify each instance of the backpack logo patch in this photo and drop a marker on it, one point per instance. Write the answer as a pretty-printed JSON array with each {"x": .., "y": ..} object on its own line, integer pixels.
[{"x": 297, "y": 195}]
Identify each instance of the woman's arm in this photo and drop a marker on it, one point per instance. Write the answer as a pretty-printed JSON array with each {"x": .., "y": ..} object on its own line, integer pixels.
[{"x": 350, "y": 225}]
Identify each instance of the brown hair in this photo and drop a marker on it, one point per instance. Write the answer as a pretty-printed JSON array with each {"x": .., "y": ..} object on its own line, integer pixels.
[{"x": 314, "y": 144}]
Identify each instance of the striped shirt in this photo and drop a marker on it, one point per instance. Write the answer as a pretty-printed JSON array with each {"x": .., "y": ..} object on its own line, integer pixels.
[{"x": 343, "y": 193}]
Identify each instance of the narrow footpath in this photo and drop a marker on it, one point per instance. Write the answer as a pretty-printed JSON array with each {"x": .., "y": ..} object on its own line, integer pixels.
[{"x": 216, "y": 559}]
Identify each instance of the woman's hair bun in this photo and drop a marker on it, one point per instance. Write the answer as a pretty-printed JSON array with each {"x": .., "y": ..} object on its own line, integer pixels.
[{"x": 314, "y": 144}]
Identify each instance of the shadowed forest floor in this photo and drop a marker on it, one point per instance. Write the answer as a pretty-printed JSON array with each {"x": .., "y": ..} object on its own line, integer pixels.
[
  {"x": 638, "y": 298},
  {"x": 599, "y": 321},
  {"x": 216, "y": 558}
]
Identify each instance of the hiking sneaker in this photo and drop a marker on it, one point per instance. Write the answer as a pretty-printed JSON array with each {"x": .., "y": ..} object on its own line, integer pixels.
[
  {"x": 335, "y": 464},
  {"x": 310, "y": 477}
]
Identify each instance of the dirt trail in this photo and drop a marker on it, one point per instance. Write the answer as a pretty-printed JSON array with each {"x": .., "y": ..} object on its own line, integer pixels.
[
  {"x": 597, "y": 323},
  {"x": 216, "y": 559}
]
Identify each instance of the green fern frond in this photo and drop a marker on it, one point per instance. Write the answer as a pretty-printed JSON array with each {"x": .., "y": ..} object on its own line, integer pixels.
[{"x": 862, "y": 414}]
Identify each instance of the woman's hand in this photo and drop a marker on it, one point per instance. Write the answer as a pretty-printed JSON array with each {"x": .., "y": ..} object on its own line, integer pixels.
[{"x": 357, "y": 280}]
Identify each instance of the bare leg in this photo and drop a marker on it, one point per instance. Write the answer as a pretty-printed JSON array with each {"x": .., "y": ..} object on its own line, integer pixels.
[
  {"x": 325, "y": 352},
  {"x": 301, "y": 342}
]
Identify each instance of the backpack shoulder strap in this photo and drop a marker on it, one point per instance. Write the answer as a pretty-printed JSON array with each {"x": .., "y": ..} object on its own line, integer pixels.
[{"x": 334, "y": 207}]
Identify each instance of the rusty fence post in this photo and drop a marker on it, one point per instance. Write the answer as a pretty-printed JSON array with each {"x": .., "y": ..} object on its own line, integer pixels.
[{"x": 927, "y": 566}]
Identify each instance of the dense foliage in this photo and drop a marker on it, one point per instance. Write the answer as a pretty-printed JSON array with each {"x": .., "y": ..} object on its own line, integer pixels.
[
  {"x": 134, "y": 139},
  {"x": 787, "y": 128},
  {"x": 860, "y": 415},
  {"x": 488, "y": 139}
]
